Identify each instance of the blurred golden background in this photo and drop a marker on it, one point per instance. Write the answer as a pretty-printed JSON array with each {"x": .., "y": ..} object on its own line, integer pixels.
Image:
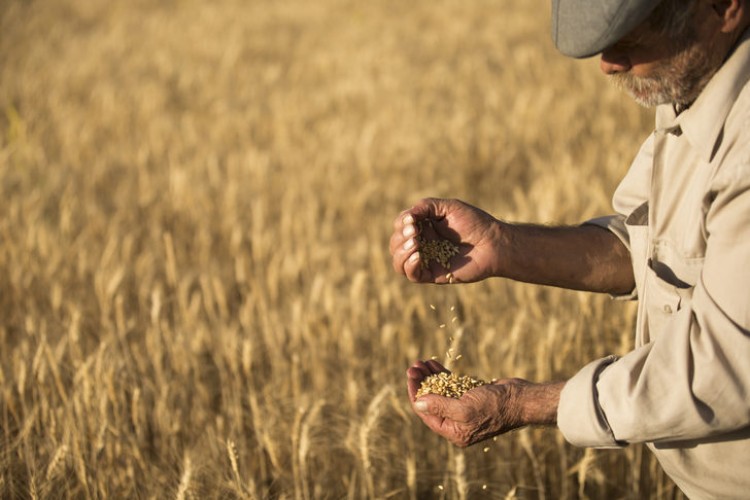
[{"x": 195, "y": 287}]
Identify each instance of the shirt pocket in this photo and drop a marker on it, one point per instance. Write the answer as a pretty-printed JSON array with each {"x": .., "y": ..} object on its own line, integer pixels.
[{"x": 662, "y": 301}]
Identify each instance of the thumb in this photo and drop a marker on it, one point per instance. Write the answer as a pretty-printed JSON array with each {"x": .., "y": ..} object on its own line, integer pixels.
[
  {"x": 422, "y": 406},
  {"x": 429, "y": 405}
]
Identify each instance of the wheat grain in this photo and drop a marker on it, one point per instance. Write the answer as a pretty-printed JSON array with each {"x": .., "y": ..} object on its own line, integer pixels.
[
  {"x": 437, "y": 250},
  {"x": 234, "y": 462},
  {"x": 448, "y": 384},
  {"x": 440, "y": 250}
]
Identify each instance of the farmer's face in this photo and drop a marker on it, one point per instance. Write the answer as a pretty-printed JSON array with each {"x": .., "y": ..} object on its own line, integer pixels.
[{"x": 657, "y": 69}]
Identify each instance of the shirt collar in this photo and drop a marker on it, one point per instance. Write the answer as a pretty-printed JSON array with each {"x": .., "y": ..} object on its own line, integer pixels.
[{"x": 703, "y": 122}]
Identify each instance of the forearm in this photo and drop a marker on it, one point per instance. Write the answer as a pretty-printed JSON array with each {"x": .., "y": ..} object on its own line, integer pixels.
[
  {"x": 585, "y": 257},
  {"x": 537, "y": 403}
]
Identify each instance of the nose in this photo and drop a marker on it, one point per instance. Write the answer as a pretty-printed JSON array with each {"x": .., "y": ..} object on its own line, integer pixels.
[{"x": 614, "y": 61}]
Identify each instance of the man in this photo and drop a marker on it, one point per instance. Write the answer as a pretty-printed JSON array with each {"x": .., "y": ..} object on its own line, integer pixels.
[{"x": 679, "y": 243}]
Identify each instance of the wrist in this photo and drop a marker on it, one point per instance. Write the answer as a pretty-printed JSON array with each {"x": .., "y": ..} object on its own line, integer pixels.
[
  {"x": 501, "y": 236},
  {"x": 538, "y": 403}
]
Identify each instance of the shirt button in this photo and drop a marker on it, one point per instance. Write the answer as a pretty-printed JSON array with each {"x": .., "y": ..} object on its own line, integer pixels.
[{"x": 668, "y": 309}]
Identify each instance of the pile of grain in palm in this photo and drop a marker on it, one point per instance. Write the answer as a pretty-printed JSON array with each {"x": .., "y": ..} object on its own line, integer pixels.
[
  {"x": 448, "y": 384},
  {"x": 439, "y": 250}
]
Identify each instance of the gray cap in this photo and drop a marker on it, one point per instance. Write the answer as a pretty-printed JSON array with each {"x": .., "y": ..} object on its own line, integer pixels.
[{"x": 583, "y": 28}]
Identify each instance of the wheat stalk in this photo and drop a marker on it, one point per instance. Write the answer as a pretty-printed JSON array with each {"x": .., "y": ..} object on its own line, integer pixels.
[
  {"x": 374, "y": 410},
  {"x": 57, "y": 461},
  {"x": 183, "y": 490},
  {"x": 234, "y": 462}
]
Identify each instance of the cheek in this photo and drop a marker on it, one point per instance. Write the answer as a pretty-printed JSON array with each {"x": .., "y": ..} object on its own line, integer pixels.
[
  {"x": 645, "y": 70},
  {"x": 654, "y": 54},
  {"x": 644, "y": 64}
]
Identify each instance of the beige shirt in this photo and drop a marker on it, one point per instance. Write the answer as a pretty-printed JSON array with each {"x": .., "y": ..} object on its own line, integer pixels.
[{"x": 684, "y": 212}]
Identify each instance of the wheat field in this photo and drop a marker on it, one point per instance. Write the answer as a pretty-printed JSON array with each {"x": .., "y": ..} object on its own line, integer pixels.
[{"x": 195, "y": 287}]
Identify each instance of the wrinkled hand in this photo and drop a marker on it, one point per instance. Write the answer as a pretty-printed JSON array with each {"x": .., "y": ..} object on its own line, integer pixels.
[
  {"x": 481, "y": 413},
  {"x": 474, "y": 231}
]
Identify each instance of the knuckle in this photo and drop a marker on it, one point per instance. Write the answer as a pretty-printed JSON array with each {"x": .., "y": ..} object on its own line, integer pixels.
[{"x": 463, "y": 440}]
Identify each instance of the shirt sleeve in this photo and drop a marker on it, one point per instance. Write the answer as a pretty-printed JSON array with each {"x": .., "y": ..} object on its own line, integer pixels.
[
  {"x": 692, "y": 381},
  {"x": 579, "y": 415}
]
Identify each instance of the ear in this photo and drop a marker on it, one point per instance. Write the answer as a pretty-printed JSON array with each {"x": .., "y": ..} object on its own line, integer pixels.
[{"x": 731, "y": 13}]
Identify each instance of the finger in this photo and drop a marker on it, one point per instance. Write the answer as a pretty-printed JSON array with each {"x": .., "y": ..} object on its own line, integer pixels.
[
  {"x": 395, "y": 242},
  {"x": 415, "y": 375},
  {"x": 418, "y": 372},
  {"x": 413, "y": 268},
  {"x": 412, "y": 387},
  {"x": 429, "y": 410},
  {"x": 402, "y": 248},
  {"x": 403, "y": 256},
  {"x": 402, "y": 219},
  {"x": 435, "y": 367},
  {"x": 428, "y": 208},
  {"x": 404, "y": 227},
  {"x": 421, "y": 369}
]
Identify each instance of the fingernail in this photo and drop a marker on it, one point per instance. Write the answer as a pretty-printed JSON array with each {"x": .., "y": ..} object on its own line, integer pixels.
[
  {"x": 409, "y": 244},
  {"x": 420, "y": 406},
  {"x": 408, "y": 230},
  {"x": 414, "y": 257},
  {"x": 408, "y": 219}
]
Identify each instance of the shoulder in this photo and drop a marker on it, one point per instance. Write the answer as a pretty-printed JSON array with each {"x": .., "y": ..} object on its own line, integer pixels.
[{"x": 732, "y": 159}]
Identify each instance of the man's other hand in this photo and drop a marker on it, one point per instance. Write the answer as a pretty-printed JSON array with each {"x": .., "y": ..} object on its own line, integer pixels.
[
  {"x": 474, "y": 232},
  {"x": 485, "y": 411}
]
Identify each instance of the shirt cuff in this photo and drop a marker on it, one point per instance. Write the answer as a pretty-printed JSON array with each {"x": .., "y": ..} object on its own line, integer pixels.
[
  {"x": 615, "y": 224},
  {"x": 579, "y": 416}
]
